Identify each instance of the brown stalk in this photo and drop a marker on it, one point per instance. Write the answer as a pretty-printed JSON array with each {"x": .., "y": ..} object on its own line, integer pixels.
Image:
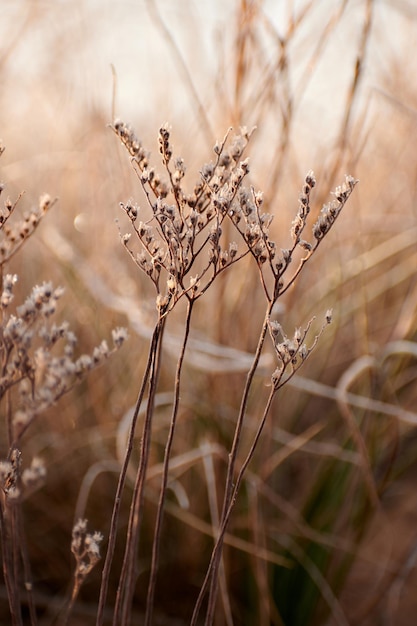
[
  {"x": 121, "y": 483},
  {"x": 123, "y": 605}
]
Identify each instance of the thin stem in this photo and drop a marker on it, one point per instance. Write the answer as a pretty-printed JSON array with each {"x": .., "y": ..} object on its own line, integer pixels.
[
  {"x": 225, "y": 520},
  {"x": 9, "y": 420},
  {"x": 249, "y": 456},
  {"x": 182, "y": 67},
  {"x": 214, "y": 564},
  {"x": 353, "y": 91},
  {"x": 26, "y": 568},
  {"x": 127, "y": 577},
  {"x": 215, "y": 524},
  {"x": 122, "y": 480},
  {"x": 277, "y": 382},
  {"x": 14, "y": 535},
  {"x": 7, "y": 547},
  {"x": 165, "y": 471},
  {"x": 74, "y": 595}
]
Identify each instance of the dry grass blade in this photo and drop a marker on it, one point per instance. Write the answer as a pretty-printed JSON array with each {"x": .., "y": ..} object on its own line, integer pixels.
[{"x": 353, "y": 372}]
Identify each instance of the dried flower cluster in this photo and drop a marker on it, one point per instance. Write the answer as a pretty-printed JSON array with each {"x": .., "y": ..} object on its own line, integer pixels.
[
  {"x": 186, "y": 226},
  {"x": 13, "y": 235},
  {"x": 183, "y": 246},
  {"x": 184, "y": 232},
  {"x": 37, "y": 355},
  {"x": 292, "y": 352},
  {"x": 86, "y": 550},
  {"x": 331, "y": 210},
  {"x": 38, "y": 365}
]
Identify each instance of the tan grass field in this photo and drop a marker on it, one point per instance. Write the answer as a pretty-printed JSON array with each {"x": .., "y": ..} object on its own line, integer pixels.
[{"x": 321, "y": 527}]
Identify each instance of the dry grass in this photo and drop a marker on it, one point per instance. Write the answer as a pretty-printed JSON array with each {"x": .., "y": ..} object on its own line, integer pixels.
[{"x": 338, "y": 446}]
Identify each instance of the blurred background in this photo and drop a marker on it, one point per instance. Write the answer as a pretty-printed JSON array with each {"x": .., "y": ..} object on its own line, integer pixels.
[{"x": 330, "y": 86}]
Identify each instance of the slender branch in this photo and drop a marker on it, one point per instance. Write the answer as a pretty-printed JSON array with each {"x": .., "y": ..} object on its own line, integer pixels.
[
  {"x": 8, "y": 574},
  {"x": 125, "y": 590},
  {"x": 214, "y": 564},
  {"x": 182, "y": 67},
  {"x": 165, "y": 471},
  {"x": 216, "y": 554},
  {"x": 22, "y": 543},
  {"x": 121, "y": 484}
]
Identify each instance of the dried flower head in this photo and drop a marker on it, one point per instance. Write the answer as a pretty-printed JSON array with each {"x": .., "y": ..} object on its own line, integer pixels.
[
  {"x": 34, "y": 476},
  {"x": 330, "y": 211},
  {"x": 86, "y": 550}
]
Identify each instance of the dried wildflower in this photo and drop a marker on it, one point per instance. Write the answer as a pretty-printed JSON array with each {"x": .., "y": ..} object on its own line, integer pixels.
[
  {"x": 38, "y": 367},
  {"x": 179, "y": 170},
  {"x": 41, "y": 302},
  {"x": 171, "y": 284},
  {"x": 83, "y": 364},
  {"x": 13, "y": 235},
  {"x": 224, "y": 258},
  {"x": 131, "y": 210},
  {"x": 162, "y": 303},
  {"x": 303, "y": 352},
  {"x": 100, "y": 352},
  {"x": 300, "y": 219},
  {"x": 297, "y": 227},
  {"x": 260, "y": 253},
  {"x": 238, "y": 146},
  {"x": 258, "y": 197},
  {"x": 169, "y": 240},
  {"x": 34, "y": 476},
  {"x": 305, "y": 245},
  {"x": 21, "y": 419},
  {"x": 207, "y": 171},
  {"x": 330, "y": 211},
  {"x": 8, "y": 283},
  {"x": 45, "y": 202},
  {"x": 164, "y": 145},
  {"x": 86, "y": 550},
  {"x": 233, "y": 249},
  {"x": 119, "y": 336},
  {"x": 131, "y": 142},
  {"x": 194, "y": 284},
  {"x": 276, "y": 329},
  {"x": 310, "y": 181},
  {"x": 186, "y": 234}
]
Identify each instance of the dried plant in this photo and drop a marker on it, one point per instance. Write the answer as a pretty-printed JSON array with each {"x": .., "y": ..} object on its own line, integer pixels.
[
  {"x": 304, "y": 533},
  {"x": 86, "y": 550},
  {"x": 183, "y": 245},
  {"x": 38, "y": 366}
]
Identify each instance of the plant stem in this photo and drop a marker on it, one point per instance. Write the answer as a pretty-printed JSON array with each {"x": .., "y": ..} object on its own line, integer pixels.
[
  {"x": 7, "y": 549},
  {"x": 121, "y": 484},
  {"x": 26, "y": 566},
  {"x": 212, "y": 571},
  {"x": 165, "y": 471},
  {"x": 127, "y": 577}
]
